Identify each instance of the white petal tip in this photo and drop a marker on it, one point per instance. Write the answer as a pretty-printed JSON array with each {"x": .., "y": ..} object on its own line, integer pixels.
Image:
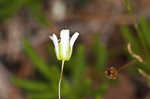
[
  {"x": 52, "y": 36},
  {"x": 77, "y": 33},
  {"x": 73, "y": 38}
]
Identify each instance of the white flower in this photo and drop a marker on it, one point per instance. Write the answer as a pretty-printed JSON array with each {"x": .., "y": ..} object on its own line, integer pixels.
[{"x": 64, "y": 46}]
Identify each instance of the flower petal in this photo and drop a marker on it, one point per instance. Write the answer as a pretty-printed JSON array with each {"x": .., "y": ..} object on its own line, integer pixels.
[
  {"x": 73, "y": 39},
  {"x": 55, "y": 41},
  {"x": 64, "y": 35}
]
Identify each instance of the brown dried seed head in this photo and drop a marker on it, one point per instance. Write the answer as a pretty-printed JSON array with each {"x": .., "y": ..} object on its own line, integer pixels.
[{"x": 111, "y": 73}]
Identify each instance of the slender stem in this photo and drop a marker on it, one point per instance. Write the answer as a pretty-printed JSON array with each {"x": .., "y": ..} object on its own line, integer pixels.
[
  {"x": 60, "y": 79},
  {"x": 126, "y": 65}
]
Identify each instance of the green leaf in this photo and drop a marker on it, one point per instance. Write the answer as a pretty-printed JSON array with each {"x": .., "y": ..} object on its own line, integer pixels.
[
  {"x": 30, "y": 85},
  {"x": 100, "y": 53},
  {"x": 42, "y": 95},
  {"x": 9, "y": 8},
  {"x": 98, "y": 97},
  {"x": 39, "y": 63},
  {"x": 78, "y": 64},
  {"x": 104, "y": 87},
  {"x": 145, "y": 30},
  {"x": 130, "y": 38},
  {"x": 53, "y": 58},
  {"x": 144, "y": 66},
  {"x": 35, "y": 6}
]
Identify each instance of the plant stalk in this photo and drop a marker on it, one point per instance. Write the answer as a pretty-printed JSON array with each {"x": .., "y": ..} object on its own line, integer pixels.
[{"x": 60, "y": 79}]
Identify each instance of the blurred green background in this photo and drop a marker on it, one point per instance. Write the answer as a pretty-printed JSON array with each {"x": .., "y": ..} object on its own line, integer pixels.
[{"x": 29, "y": 68}]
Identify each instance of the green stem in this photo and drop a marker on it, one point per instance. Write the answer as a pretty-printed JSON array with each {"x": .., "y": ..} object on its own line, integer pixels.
[{"x": 61, "y": 75}]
